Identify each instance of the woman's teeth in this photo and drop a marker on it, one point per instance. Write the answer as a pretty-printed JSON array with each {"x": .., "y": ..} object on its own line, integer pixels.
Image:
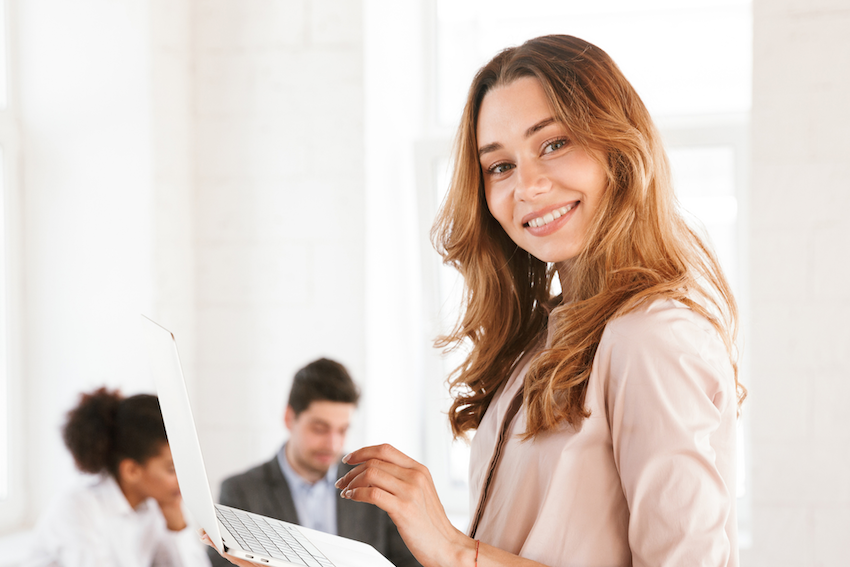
[{"x": 550, "y": 216}]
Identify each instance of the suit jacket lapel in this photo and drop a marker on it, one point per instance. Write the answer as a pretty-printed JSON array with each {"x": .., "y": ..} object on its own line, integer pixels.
[
  {"x": 280, "y": 492},
  {"x": 348, "y": 512}
]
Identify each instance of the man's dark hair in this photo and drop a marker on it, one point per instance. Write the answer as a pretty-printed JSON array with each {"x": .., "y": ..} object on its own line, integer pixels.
[{"x": 322, "y": 380}]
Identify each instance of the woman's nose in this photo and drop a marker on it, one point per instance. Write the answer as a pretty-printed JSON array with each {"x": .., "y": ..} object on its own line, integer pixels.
[{"x": 531, "y": 182}]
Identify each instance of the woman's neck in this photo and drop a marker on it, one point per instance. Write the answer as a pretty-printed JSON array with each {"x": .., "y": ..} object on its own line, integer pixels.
[{"x": 134, "y": 497}]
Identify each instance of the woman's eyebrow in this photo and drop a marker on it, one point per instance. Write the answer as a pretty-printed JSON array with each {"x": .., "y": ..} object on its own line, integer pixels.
[
  {"x": 528, "y": 133},
  {"x": 539, "y": 126},
  {"x": 489, "y": 148}
]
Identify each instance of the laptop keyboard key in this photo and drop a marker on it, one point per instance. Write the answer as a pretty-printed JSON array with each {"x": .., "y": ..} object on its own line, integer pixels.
[{"x": 271, "y": 538}]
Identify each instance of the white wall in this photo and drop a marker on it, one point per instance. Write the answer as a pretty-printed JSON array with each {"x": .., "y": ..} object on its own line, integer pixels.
[
  {"x": 279, "y": 212},
  {"x": 86, "y": 190},
  {"x": 173, "y": 170},
  {"x": 209, "y": 161},
  {"x": 203, "y": 162},
  {"x": 798, "y": 342},
  {"x": 394, "y": 78}
]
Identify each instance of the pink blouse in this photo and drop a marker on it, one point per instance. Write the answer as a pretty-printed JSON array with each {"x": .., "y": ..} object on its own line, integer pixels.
[{"x": 649, "y": 477}]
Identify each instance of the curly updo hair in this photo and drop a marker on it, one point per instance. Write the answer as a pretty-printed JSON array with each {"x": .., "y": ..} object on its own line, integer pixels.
[{"x": 105, "y": 428}]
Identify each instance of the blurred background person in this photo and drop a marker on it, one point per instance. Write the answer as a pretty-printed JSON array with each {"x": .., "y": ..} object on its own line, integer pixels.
[
  {"x": 297, "y": 485},
  {"x": 131, "y": 515}
]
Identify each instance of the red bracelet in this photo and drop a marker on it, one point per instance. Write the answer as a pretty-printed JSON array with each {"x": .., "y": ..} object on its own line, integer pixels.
[{"x": 477, "y": 543}]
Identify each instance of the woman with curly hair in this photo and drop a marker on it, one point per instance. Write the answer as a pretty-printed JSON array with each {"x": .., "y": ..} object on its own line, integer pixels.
[{"x": 131, "y": 515}]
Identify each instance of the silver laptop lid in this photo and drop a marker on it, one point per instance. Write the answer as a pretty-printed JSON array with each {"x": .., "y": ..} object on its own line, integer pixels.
[{"x": 180, "y": 426}]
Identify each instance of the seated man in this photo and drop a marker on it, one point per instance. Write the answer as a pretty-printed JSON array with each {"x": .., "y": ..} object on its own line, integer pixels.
[{"x": 297, "y": 485}]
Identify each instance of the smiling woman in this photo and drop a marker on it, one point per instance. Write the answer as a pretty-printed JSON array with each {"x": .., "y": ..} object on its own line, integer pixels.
[{"x": 604, "y": 417}]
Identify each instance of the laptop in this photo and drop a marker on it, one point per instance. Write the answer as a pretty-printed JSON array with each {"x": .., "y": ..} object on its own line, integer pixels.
[{"x": 260, "y": 539}]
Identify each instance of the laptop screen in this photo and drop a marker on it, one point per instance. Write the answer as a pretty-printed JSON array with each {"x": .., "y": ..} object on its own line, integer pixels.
[{"x": 180, "y": 426}]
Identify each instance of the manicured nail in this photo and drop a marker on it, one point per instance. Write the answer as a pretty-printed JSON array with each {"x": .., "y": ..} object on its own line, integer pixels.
[
  {"x": 345, "y": 458},
  {"x": 338, "y": 483},
  {"x": 347, "y": 494}
]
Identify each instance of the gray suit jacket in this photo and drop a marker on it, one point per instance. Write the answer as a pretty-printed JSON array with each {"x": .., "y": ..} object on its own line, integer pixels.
[{"x": 264, "y": 490}]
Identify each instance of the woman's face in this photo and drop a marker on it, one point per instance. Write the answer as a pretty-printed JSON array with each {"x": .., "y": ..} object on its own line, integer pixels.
[
  {"x": 543, "y": 189},
  {"x": 158, "y": 479}
]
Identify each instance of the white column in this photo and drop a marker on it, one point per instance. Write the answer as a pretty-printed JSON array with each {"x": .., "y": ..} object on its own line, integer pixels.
[
  {"x": 395, "y": 115},
  {"x": 799, "y": 340}
]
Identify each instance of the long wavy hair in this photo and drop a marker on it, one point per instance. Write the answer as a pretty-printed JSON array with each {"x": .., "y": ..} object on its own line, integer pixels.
[{"x": 638, "y": 246}]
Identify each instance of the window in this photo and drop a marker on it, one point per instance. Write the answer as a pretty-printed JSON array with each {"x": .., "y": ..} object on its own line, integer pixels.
[
  {"x": 4, "y": 387},
  {"x": 697, "y": 89},
  {"x": 709, "y": 158},
  {"x": 11, "y": 474}
]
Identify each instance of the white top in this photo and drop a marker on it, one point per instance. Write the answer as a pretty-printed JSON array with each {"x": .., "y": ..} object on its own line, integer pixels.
[
  {"x": 648, "y": 479},
  {"x": 94, "y": 526}
]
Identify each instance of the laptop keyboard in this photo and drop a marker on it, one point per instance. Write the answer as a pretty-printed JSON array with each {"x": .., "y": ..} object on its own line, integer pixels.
[{"x": 271, "y": 538}]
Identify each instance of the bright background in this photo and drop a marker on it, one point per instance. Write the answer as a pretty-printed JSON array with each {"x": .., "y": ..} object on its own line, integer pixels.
[{"x": 260, "y": 176}]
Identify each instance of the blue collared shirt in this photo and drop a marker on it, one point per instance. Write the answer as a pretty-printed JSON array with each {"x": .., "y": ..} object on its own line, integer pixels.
[{"x": 314, "y": 503}]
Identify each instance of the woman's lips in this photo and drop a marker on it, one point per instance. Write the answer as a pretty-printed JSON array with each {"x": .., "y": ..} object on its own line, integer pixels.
[
  {"x": 544, "y": 219},
  {"x": 550, "y": 221}
]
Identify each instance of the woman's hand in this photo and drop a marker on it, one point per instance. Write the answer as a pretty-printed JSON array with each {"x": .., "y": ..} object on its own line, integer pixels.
[
  {"x": 205, "y": 538},
  {"x": 173, "y": 513},
  {"x": 403, "y": 488}
]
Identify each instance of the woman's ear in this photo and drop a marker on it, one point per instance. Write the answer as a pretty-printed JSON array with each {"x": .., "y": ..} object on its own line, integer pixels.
[{"x": 129, "y": 470}]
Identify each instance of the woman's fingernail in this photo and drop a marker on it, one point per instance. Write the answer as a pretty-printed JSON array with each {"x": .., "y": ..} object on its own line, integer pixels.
[
  {"x": 345, "y": 458},
  {"x": 347, "y": 494},
  {"x": 338, "y": 483}
]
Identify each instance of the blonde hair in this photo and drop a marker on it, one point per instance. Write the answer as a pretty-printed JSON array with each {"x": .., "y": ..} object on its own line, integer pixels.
[{"x": 637, "y": 247}]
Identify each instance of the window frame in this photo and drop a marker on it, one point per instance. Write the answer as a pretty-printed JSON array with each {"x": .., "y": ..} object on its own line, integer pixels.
[
  {"x": 680, "y": 132},
  {"x": 732, "y": 130},
  {"x": 429, "y": 155},
  {"x": 13, "y": 508}
]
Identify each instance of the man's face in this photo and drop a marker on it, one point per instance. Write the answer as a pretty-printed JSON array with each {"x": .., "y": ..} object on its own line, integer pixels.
[{"x": 316, "y": 437}]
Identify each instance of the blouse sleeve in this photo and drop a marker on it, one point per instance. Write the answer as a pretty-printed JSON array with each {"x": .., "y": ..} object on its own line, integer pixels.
[
  {"x": 181, "y": 548},
  {"x": 671, "y": 408},
  {"x": 69, "y": 536}
]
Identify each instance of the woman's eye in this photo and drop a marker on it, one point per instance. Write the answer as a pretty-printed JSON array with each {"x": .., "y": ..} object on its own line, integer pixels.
[
  {"x": 552, "y": 146},
  {"x": 501, "y": 168}
]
